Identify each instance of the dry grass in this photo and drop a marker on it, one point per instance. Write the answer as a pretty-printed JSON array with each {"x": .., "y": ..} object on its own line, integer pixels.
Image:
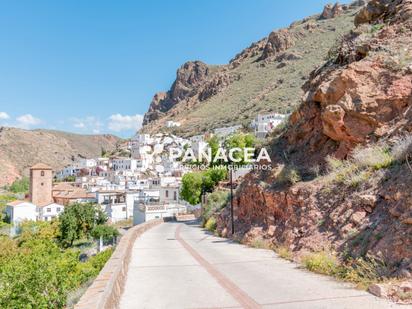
[
  {"x": 259, "y": 243},
  {"x": 289, "y": 175},
  {"x": 321, "y": 262},
  {"x": 360, "y": 271},
  {"x": 360, "y": 166},
  {"x": 374, "y": 156},
  {"x": 402, "y": 148},
  {"x": 284, "y": 253}
]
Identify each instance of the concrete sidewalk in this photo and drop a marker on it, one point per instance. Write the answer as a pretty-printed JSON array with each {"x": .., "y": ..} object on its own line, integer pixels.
[{"x": 177, "y": 265}]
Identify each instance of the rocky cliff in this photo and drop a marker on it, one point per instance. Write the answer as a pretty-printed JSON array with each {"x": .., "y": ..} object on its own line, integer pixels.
[
  {"x": 265, "y": 77},
  {"x": 342, "y": 175},
  {"x": 20, "y": 149}
]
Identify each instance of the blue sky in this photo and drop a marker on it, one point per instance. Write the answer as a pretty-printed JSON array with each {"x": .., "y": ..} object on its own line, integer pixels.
[{"x": 93, "y": 66}]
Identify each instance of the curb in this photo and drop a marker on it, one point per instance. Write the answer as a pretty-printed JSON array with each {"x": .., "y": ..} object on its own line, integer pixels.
[{"x": 107, "y": 288}]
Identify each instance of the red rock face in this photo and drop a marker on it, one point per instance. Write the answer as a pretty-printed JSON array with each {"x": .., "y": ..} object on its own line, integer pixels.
[
  {"x": 361, "y": 100},
  {"x": 331, "y": 11},
  {"x": 277, "y": 42}
]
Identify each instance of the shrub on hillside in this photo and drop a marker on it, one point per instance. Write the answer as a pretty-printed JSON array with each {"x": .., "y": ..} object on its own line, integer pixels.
[
  {"x": 20, "y": 185},
  {"x": 374, "y": 156},
  {"x": 402, "y": 148},
  {"x": 289, "y": 175},
  {"x": 211, "y": 224},
  {"x": 215, "y": 202}
]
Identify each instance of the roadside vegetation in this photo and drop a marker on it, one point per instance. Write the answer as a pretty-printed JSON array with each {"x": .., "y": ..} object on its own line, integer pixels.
[
  {"x": 56, "y": 259},
  {"x": 362, "y": 271}
]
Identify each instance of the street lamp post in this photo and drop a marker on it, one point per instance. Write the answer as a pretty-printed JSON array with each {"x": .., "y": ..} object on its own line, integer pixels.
[{"x": 231, "y": 200}]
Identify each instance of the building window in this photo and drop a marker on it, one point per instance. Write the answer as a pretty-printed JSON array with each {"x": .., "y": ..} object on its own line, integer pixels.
[
  {"x": 42, "y": 173},
  {"x": 58, "y": 209},
  {"x": 42, "y": 183},
  {"x": 123, "y": 208},
  {"x": 175, "y": 195},
  {"x": 48, "y": 209},
  {"x": 167, "y": 193}
]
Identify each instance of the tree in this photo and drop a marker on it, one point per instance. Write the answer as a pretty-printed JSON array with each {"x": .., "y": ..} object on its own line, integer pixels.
[
  {"x": 194, "y": 184},
  {"x": 78, "y": 220},
  {"x": 105, "y": 232},
  {"x": 242, "y": 141},
  {"x": 68, "y": 228},
  {"x": 214, "y": 145},
  {"x": 191, "y": 187},
  {"x": 20, "y": 185}
]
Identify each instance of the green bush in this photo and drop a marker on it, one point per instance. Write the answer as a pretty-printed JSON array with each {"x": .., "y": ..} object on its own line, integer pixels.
[
  {"x": 196, "y": 183},
  {"x": 375, "y": 156},
  {"x": 284, "y": 252},
  {"x": 215, "y": 202},
  {"x": 20, "y": 185},
  {"x": 321, "y": 263},
  {"x": 36, "y": 273},
  {"x": 104, "y": 231},
  {"x": 289, "y": 174},
  {"x": 211, "y": 224}
]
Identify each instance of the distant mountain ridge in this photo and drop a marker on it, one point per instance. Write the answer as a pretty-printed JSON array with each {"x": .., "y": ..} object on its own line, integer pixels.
[
  {"x": 20, "y": 149},
  {"x": 265, "y": 77}
]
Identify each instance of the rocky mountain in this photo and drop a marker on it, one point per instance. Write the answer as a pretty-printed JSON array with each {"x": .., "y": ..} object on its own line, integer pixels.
[
  {"x": 341, "y": 176},
  {"x": 20, "y": 149},
  {"x": 265, "y": 77}
]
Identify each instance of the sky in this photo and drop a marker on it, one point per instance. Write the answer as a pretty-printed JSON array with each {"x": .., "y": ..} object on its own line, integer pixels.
[{"x": 93, "y": 66}]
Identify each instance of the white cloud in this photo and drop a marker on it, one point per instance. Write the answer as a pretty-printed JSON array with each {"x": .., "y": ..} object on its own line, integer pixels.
[
  {"x": 88, "y": 124},
  {"x": 79, "y": 125},
  {"x": 27, "y": 121},
  {"x": 4, "y": 116},
  {"x": 118, "y": 122}
]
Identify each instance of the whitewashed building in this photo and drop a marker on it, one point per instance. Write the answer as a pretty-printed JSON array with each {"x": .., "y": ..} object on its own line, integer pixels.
[
  {"x": 264, "y": 124},
  {"x": 19, "y": 211},
  {"x": 172, "y": 124},
  {"x": 49, "y": 212},
  {"x": 124, "y": 164}
]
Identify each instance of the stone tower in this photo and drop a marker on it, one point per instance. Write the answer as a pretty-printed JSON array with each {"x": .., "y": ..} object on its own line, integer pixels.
[{"x": 41, "y": 182}]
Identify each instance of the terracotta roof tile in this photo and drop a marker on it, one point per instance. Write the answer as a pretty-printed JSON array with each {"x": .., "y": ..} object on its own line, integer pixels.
[{"x": 40, "y": 166}]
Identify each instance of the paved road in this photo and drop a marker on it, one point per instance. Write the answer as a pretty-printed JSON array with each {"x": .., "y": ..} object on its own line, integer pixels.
[{"x": 178, "y": 265}]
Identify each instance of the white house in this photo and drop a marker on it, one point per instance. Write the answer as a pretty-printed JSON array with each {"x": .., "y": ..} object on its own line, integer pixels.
[
  {"x": 67, "y": 171},
  {"x": 18, "y": 211},
  {"x": 124, "y": 164},
  {"x": 169, "y": 194},
  {"x": 118, "y": 205},
  {"x": 113, "y": 203},
  {"x": 172, "y": 124},
  {"x": 48, "y": 212},
  {"x": 263, "y": 124},
  {"x": 86, "y": 163}
]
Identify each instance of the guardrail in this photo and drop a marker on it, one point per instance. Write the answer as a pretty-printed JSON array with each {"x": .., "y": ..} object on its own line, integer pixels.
[{"x": 107, "y": 288}]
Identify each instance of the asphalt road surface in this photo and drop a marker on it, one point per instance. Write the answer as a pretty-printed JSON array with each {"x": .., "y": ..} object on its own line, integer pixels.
[{"x": 179, "y": 265}]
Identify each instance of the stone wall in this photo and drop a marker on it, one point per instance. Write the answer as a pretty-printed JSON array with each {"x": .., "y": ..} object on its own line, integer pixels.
[{"x": 107, "y": 288}]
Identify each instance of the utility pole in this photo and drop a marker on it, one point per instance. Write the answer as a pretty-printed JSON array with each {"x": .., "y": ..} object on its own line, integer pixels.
[{"x": 231, "y": 200}]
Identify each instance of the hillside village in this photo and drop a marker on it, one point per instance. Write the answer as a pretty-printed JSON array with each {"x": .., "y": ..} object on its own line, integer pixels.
[
  {"x": 330, "y": 98},
  {"x": 144, "y": 185}
]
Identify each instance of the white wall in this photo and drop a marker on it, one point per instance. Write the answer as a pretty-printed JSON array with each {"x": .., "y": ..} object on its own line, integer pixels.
[
  {"x": 21, "y": 212},
  {"x": 47, "y": 213}
]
